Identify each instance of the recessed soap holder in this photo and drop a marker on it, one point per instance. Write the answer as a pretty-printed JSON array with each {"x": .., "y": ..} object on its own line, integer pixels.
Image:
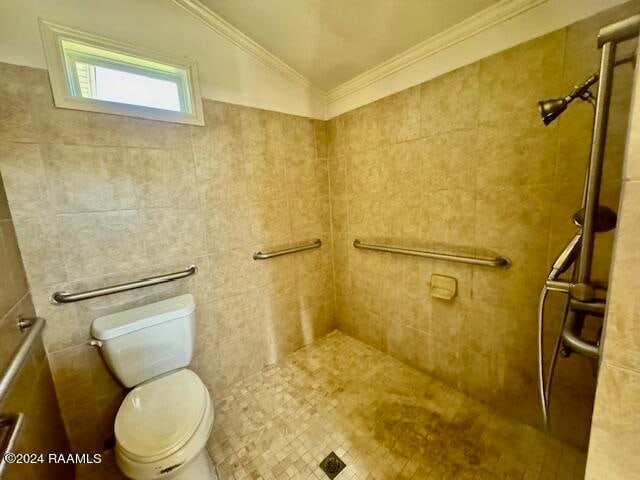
[{"x": 443, "y": 286}]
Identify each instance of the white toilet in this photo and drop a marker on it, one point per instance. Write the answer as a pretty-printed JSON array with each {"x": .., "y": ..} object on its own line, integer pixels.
[{"x": 163, "y": 424}]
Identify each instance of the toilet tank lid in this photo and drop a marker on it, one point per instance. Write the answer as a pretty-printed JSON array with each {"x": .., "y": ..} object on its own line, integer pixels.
[{"x": 127, "y": 321}]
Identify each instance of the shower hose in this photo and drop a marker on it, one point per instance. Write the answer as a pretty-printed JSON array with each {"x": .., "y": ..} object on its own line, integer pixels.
[{"x": 544, "y": 384}]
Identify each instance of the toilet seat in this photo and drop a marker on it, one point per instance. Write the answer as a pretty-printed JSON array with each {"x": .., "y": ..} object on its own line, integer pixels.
[
  {"x": 158, "y": 417},
  {"x": 163, "y": 424}
]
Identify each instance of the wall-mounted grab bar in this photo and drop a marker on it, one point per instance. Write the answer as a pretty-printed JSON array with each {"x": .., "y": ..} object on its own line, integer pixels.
[
  {"x": 286, "y": 251},
  {"x": 34, "y": 326},
  {"x": 13, "y": 423},
  {"x": 65, "y": 297},
  {"x": 497, "y": 261}
]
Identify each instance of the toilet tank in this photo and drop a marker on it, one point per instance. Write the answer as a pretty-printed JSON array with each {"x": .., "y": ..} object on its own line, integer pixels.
[{"x": 147, "y": 341}]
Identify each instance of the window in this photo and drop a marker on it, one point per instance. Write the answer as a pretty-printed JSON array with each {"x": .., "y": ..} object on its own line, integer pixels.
[{"x": 100, "y": 75}]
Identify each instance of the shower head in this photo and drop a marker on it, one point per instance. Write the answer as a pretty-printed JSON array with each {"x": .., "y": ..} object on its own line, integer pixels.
[
  {"x": 605, "y": 219},
  {"x": 552, "y": 108}
]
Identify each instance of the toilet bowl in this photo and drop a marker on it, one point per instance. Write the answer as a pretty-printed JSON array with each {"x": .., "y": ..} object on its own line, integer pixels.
[
  {"x": 162, "y": 429},
  {"x": 164, "y": 422}
]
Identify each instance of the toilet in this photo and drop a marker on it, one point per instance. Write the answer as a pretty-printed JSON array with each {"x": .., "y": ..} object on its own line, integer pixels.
[{"x": 164, "y": 422}]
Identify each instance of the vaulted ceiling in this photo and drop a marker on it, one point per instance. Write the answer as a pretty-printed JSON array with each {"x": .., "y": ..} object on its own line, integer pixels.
[{"x": 332, "y": 41}]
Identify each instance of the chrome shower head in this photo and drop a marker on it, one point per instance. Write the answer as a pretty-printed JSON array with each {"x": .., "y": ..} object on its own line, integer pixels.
[{"x": 552, "y": 108}]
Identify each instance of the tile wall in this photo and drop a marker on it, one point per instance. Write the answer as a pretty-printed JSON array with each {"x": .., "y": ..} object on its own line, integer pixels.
[
  {"x": 100, "y": 199},
  {"x": 613, "y": 448},
  {"x": 32, "y": 393}
]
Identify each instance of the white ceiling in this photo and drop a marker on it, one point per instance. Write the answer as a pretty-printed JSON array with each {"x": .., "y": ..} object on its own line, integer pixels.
[{"x": 332, "y": 41}]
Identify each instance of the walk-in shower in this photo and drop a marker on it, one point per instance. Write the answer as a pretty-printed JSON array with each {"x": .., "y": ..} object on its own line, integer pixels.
[{"x": 585, "y": 296}]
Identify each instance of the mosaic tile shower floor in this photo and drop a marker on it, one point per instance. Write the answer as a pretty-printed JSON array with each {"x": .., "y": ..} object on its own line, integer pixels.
[{"x": 384, "y": 419}]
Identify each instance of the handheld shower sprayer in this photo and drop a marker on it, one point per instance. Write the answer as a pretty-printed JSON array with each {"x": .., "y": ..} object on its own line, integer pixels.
[
  {"x": 605, "y": 221},
  {"x": 564, "y": 261},
  {"x": 566, "y": 257}
]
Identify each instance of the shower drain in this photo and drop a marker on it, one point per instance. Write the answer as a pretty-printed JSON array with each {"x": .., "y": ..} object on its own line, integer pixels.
[{"x": 332, "y": 465}]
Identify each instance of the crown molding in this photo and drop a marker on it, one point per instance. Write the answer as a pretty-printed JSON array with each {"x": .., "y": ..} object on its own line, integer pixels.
[
  {"x": 246, "y": 44},
  {"x": 497, "y": 27},
  {"x": 483, "y": 20}
]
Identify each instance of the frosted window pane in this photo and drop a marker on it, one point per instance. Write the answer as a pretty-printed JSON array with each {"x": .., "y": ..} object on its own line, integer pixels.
[{"x": 124, "y": 87}]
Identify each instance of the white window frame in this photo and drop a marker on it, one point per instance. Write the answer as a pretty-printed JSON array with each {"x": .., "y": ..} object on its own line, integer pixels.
[{"x": 64, "y": 84}]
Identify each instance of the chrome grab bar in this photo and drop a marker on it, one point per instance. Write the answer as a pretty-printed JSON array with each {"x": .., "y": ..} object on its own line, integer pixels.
[
  {"x": 12, "y": 421},
  {"x": 286, "y": 251},
  {"x": 65, "y": 297},
  {"x": 35, "y": 326},
  {"x": 498, "y": 261}
]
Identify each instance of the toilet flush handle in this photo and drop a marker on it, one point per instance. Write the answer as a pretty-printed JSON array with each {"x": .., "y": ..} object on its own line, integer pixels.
[{"x": 95, "y": 343}]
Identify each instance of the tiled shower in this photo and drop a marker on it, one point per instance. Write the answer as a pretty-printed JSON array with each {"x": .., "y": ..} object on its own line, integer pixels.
[{"x": 462, "y": 159}]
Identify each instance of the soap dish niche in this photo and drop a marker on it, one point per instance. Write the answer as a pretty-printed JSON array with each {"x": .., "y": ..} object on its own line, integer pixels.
[{"x": 443, "y": 287}]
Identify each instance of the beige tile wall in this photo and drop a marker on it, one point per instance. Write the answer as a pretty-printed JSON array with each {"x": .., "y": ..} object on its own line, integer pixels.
[
  {"x": 32, "y": 392},
  {"x": 613, "y": 448},
  {"x": 101, "y": 199},
  {"x": 464, "y": 160}
]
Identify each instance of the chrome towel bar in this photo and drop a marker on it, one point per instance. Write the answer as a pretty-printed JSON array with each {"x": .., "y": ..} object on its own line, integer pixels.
[
  {"x": 286, "y": 251},
  {"x": 65, "y": 297},
  {"x": 497, "y": 261},
  {"x": 34, "y": 327}
]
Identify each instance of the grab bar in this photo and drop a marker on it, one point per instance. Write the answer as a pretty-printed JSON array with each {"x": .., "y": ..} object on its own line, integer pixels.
[
  {"x": 498, "y": 261},
  {"x": 65, "y": 297},
  {"x": 35, "y": 326},
  {"x": 286, "y": 251},
  {"x": 14, "y": 422}
]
